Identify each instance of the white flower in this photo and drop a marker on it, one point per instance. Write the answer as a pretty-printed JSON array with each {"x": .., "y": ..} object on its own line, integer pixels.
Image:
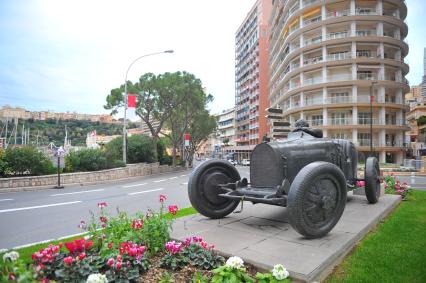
[
  {"x": 12, "y": 256},
  {"x": 235, "y": 262},
  {"x": 279, "y": 272},
  {"x": 96, "y": 278}
]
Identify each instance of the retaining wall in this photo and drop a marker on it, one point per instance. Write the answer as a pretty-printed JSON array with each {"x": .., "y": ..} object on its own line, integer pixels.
[{"x": 131, "y": 170}]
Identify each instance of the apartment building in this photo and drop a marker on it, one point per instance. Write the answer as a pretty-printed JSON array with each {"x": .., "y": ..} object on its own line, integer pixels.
[
  {"x": 251, "y": 75},
  {"x": 330, "y": 61},
  {"x": 21, "y": 113},
  {"x": 226, "y": 127}
]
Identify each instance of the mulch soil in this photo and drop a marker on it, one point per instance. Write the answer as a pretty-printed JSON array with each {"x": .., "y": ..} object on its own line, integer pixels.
[{"x": 155, "y": 273}]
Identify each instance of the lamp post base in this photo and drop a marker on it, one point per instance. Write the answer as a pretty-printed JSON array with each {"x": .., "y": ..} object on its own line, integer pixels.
[{"x": 58, "y": 187}]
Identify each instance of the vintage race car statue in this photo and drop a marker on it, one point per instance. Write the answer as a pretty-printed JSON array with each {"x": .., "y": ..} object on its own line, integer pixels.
[{"x": 307, "y": 173}]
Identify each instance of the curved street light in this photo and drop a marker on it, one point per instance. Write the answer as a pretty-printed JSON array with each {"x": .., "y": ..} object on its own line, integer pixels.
[{"x": 125, "y": 101}]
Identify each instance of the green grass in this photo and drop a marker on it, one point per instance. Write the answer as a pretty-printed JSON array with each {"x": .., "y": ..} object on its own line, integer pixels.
[
  {"x": 394, "y": 252},
  {"x": 25, "y": 253}
]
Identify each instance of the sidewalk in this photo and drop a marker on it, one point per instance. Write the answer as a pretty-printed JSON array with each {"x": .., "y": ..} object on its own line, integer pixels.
[{"x": 262, "y": 236}]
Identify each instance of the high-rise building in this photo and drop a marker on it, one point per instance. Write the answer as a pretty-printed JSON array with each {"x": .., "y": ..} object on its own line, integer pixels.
[
  {"x": 424, "y": 74},
  {"x": 329, "y": 60},
  {"x": 251, "y": 74}
]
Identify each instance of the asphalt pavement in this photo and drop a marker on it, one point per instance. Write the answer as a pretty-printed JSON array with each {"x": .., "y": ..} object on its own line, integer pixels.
[{"x": 33, "y": 216}]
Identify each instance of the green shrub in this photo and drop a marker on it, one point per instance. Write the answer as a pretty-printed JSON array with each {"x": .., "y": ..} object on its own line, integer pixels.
[
  {"x": 139, "y": 149},
  {"x": 26, "y": 160},
  {"x": 86, "y": 160}
]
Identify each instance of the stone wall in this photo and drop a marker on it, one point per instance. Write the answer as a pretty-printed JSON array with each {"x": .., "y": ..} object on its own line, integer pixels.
[{"x": 131, "y": 170}]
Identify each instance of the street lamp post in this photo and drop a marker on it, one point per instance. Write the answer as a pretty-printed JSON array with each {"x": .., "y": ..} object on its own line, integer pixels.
[
  {"x": 371, "y": 116},
  {"x": 125, "y": 102}
]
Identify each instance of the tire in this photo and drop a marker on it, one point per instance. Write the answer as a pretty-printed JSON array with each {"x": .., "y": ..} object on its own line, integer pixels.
[
  {"x": 203, "y": 188},
  {"x": 351, "y": 153},
  {"x": 372, "y": 180},
  {"x": 316, "y": 199}
]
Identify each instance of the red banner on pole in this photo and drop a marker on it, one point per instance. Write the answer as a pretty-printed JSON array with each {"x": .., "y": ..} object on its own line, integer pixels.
[
  {"x": 131, "y": 101},
  {"x": 186, "y": 138},
  {"x": 371, "y": 98}
]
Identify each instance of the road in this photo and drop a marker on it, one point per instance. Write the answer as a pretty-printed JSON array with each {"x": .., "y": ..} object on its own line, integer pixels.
[{"x": 34, "y": 216}]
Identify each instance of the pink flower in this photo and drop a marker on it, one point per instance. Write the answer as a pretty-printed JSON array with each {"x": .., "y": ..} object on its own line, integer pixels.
[
  {"x": 102, "y": 204},
  {"x": 68, "y": 260},
  {"x": 173, "y": 209},
  {"x": 162, "y": 198},
  {"x": 109, "y": 245},
  {"x": 211, "y": 247},
  {"x": 118, "y": 265},
  {"x": 360, "y": 183},
  {"x": 110, "y": 262},
  {"x": 119, "y": 258},
  {"x": 188, "y": 241},
  {"x": 173, "y": 247},
  {"x": 137, "y": 224},
  {"x": 203, "y": 244},
  {"x": 103, "y": 219},
  {"x": 81, "y": 256}
]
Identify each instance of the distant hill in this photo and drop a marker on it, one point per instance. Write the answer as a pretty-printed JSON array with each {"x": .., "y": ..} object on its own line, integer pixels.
[{"x": 52, "y": 130}]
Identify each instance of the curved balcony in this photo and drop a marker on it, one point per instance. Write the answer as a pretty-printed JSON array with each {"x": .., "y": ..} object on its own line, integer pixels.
[{"x": 336, "y": 17}]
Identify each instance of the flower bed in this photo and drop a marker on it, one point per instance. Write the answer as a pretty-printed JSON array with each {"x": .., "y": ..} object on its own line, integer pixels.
[{"x": 132, "y": 249}]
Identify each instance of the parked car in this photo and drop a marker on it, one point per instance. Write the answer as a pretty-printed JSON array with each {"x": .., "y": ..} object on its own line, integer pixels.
[
  {"x": 233, "y": 162},
  {"x": 245, "y": 162}
]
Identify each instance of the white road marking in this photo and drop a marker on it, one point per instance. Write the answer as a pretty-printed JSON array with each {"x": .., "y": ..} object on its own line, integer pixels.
[
  {"x": 171, "y": 178},
  {"x": 135, "y": 185},
  {"x": 75, "y": 193},
  {"x": 162, "y": 180},
  {"x": 39, "y": 206},
  {"x": 6, "y": 199},
  {"x": 183, "y": 175},
  {"x": 185, "y": 183},
  {"x": 143, "y": 192}
]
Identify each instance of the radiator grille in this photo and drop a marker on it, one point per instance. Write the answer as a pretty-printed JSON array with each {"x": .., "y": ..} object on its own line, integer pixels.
[{"x": 266, "y": 168}]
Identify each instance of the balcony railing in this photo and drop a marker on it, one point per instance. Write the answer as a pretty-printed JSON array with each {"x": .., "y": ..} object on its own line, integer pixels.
[
  {"x": 336, "y": 35},
  {"x": 341, "y": 13},
  {"x": 340, "y": 121},
  {"x": 313, "y": 40},
  {"x": 370, "y": 32},
  {"x": 369, "y": 77},
  {"x": 311, "y": 81},
  {"x": 312, "y": 20},
  {"x": 339, "y": 56},
  {"x": 367, "y": 54},
  {"x": 340, "y": 77},
  {"x": 313, "y": 101},
  {"x": 366, "y": 11},
  {"x": 309, "y": 2},
  {"x": 313, "y": 60},
  {"x": 340, "y": 99},
  {"x": 315, "y": 122}
]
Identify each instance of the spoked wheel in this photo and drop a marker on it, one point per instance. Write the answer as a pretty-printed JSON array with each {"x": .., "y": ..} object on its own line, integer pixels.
[
  {"x": 316, "y": 199},
  {"x": 372, "y": 180},
  {"x": 204, "y": 189}
]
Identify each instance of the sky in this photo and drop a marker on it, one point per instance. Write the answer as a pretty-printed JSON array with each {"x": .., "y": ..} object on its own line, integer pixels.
[{"x": 68, "y": 55}]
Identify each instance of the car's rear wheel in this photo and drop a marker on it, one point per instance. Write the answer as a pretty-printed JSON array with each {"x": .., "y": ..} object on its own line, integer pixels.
[
  {"x": 316, "y": 199},
  {"x": 204, "y": 189},
  {"x": 372, "y": 180}
]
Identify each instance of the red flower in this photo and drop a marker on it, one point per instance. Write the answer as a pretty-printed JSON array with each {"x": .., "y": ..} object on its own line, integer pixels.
[
  {"x": 203, "y": 244},
  {"x": 162, "y": 198},
  {"x": 110, "y": 262},
  {"x": 173, "y": 209},
  {"x": 68, "y": 260},
  {"x": 109, "y": 245},
  {"x": 81, "y": 256},
  {"x": 102, "y": 204},
  {"x": 118, "y": 265},
  {"x": 103, "y": 219}
]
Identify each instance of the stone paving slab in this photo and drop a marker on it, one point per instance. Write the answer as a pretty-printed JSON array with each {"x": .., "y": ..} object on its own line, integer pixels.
[{"x": 262, "y": 236}]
